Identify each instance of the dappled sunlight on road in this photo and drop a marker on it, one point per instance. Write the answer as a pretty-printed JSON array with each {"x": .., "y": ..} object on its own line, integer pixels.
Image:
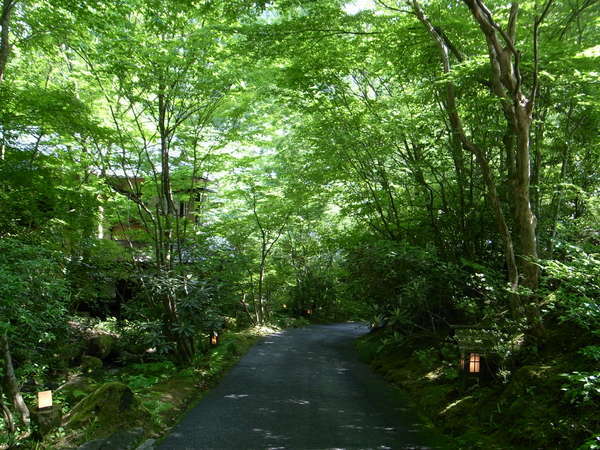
[{"x": 304, "y": 388}]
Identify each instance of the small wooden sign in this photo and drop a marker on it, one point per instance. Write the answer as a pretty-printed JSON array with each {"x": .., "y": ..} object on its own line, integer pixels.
[{"x": 44, "y": 399}]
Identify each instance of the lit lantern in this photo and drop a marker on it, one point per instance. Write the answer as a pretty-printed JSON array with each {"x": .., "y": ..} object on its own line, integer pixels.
[
  {"x": 44, "y": 399},
  {"x": 214, "y": 338},
  {"x": 474, "y": 363}
]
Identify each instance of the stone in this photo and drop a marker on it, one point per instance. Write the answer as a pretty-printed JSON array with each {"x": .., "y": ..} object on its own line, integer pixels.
[
  {"x": 90, "y": 363},
  {"x": 96, "y": 444},
  {"x": 77, "y": 388},
  {"x": 70, "y": 350},
  {"x": 101, "y": 346},
  {"x": 147, "y": 445},
  {"x": 111, "y": 407}
]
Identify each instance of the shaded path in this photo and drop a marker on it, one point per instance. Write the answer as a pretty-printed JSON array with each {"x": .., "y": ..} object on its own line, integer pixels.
[{"x": 300, "y": 389}]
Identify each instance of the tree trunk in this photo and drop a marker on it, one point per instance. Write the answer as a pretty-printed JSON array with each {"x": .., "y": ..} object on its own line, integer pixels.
[
  {"x": 555, "y": 206},
  {"x": 7, "y": 416},
  {"x": 459, "y": 169},
  {"x": 460, "y": 134},
  {"x": 524, "y": 216},
  {"x": 167, "y": 203},
  {"x": 261, "y": 280},
  {"x": 7, "y": 7},
  {"x": 507, "y": 84},
  {"x": 11, "y": 386},
  {"x": 536, "y": 172}
]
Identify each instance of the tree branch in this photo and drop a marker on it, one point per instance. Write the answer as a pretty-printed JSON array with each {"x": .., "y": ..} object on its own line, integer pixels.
[{"x": 536, "y": 58}]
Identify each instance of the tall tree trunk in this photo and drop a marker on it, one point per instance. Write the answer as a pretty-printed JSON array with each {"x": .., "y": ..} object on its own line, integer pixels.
[
  {"x": 524, "y": 216},
  {"x": 11, "y": 386},
  {"x": 168, "y": 205},
  {"x": 5, "y": 13},
  {"x": 459, "y": 169},
  {"x": 537, "y": 169},
  {"x": 7, "y": 8},
  {"x": 507, "y": 84},
  {"x": 460, "y": 135},
  {"x": 184, "y": 344},
  {"x": 555, "y": 206},
  {"x": 261, "y": 281}
]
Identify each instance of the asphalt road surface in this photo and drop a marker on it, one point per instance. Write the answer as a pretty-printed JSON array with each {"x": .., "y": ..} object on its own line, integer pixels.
[{"x": 301, "y": 389}]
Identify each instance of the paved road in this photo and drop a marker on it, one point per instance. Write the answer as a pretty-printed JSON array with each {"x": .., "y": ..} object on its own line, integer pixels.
[{"x": 301, "y": 389}]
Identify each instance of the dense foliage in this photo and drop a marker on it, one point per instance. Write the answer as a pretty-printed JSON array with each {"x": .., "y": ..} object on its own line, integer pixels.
[{"x": 174, "y": 168}]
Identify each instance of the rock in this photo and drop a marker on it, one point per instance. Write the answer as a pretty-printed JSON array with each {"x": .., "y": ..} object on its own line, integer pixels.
[
  {"x": 101, "y": 346},
  {"x": 45, "y": 420},
  {"x": 96, "y": 444},
  {"x": 70, "y": 350},
  {"x": 111, "y": 407},
  {"x": 122, "y": 440},
  {"x": 138, "y": 348},
  {"x": 90, "y": 363},
  {"x": 147, "y": 445},
  {"x": 77, "y": 388}
]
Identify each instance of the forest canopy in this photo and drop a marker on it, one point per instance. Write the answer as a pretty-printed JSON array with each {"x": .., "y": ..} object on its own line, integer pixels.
[{"x": 176, "y": 166}]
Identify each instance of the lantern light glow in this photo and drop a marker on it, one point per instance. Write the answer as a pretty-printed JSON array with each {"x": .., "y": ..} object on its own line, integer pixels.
[{"x": 474, "y": 363}]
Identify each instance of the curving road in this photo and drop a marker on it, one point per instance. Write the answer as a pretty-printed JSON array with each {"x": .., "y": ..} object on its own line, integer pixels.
[{"x": 301, "y": 389}]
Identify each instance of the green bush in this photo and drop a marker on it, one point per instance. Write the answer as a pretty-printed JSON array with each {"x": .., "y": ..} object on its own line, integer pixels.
[
  {"x": 408, "y": 288},
  {"x": 573, "y": 288},
  {"x": 34, "y": 302}
]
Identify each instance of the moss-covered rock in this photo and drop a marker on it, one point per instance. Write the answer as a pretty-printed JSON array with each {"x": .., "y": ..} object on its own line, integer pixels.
[
  {"x": 70, "y": 350},
  {"x": 101, "y": 346},
  {"x": 77, "y": 388},
  {"x": 90, "y": 364},
  {"x": 112, "y": 406}
]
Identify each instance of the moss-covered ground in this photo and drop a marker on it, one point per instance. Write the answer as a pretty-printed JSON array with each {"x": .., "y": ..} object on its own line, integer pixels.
[
  {"x": 524, "y": 408},
  {"x": 162, "y": 393}
]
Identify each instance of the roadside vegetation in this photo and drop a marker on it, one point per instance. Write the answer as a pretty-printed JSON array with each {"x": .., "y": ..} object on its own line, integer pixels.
[{"x": 174, "y": 171}]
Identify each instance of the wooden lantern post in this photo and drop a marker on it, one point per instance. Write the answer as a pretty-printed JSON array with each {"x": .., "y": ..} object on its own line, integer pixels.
[{"x": 47, "y": 417}]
